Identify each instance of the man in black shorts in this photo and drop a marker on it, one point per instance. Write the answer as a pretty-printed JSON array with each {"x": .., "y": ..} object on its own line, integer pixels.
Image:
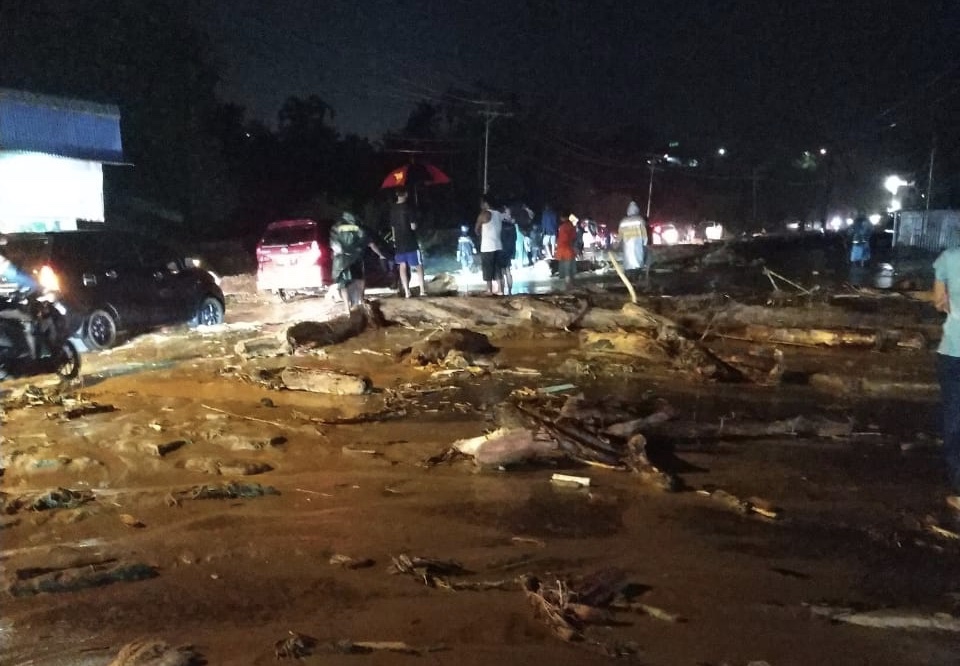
[{"x": 405, "y": 239}]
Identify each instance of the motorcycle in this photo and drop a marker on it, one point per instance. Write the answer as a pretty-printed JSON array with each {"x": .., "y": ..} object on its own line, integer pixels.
[{"x": 35, "y": 337}]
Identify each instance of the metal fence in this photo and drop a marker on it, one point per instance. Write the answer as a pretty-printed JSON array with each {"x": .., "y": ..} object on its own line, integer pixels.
[{"x": 929, "y": 230}]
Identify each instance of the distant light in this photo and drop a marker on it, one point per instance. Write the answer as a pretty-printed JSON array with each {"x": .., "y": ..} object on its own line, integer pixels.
[
  {"x": 849, "y": 221},
  {"x": 836, "y": 222},
  {"x": 248, "y": 134},
  {"x": 793, "y": 225},
  {"x": 722, "y": 152},
  {"x": 666, "y": 156},
  {"x": 823, "y": 151},
  {"x": 875, "y": 218},
  {"x": 714, "y": 232},
  {"x": 670, "y": 235},
  {"x": 894, "y": 183},
  {"x": 895, "y": 205},
  {"x": 674, "y": 144}
]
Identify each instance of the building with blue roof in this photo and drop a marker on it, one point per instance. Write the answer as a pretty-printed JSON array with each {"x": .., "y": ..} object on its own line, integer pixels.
[{"x": 52, "y": 152}]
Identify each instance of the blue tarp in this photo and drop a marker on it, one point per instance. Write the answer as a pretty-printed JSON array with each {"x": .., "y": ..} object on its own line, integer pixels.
[{"x": 57, "y": 126}]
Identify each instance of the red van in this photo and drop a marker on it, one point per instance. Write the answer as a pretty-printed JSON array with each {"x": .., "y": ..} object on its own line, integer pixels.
[{"x": 294, "y": 257}]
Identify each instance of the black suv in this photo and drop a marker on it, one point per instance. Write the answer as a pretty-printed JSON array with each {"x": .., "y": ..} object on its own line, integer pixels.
[{"x": 115, "y": 281}]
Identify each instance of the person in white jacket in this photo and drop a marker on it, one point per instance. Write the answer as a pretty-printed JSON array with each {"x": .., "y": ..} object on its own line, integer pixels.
[{"x": 633, "y": 237}]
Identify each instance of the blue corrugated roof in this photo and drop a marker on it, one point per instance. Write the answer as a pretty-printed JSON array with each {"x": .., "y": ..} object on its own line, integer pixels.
[{"x": 59, "y": 126}]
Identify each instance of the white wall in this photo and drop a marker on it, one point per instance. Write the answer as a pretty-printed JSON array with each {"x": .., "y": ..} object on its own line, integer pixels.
[{"x": 43, "y": 192}]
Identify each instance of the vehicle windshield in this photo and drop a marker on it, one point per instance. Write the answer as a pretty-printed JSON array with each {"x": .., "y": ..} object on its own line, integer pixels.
[{"x": 289, "y": 235}]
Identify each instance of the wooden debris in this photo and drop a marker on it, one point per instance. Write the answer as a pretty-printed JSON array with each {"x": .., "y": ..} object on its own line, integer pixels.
[
  {"x": 87, "y": 409},
  {"x": 231, "y": 490},
  {"x": 755, "y": 505},
  {"x": 568, "y": 480},
  {"x": 294, "y": 646},
  {"x": 59, "y": 498},
  {"x": 800, "y": 426},
  {"x": 29, "y": 582},
  {"x": 348, "y": 562},
  {"x": 889, "y": 618},
  {"x": 153, "y": 652},
  {"x": 436, "y": 350}
]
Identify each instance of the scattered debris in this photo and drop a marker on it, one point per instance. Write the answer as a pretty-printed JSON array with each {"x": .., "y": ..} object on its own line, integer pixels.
[
  {"x": 232, "y": 490},
  {"x": 348, "y": 562},
  {"x": 295, "y": 646},
  {"x": 153, "y": 652},
  {"x": 226, "y": 467},
  {"x": 568, "y": 480},
  {"x": 88, "y": 409},
  {"x": 266, "y": 346},
  {"x": 755, "y": 505},
  {"x": 29, "y": 582},
  {"x": 59, "y": 498}
]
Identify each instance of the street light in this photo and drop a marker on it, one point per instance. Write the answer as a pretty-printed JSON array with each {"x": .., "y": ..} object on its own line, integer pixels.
[
  {"x": 893, "y": 184},
  {"x": 823, "y": 151},
  {"x": 721, "y": 152}
]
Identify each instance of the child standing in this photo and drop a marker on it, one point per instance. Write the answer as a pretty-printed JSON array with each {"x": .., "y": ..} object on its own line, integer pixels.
[{"x": 465, "y": 249}]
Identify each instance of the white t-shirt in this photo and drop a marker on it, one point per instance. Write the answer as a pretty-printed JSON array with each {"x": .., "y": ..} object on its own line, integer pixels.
[{"x": 490, "y": 233}]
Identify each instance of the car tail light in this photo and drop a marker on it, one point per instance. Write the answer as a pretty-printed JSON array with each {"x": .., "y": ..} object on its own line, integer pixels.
[{"x": 48, "y": 279}]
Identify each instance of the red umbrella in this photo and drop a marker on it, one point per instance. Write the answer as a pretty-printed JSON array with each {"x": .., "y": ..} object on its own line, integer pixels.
[{"x": 417, "y": 173}]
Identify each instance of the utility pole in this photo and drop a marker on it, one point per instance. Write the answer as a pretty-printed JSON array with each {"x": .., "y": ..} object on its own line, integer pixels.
[
  {"x": 489, "y": 115},
  {"x": 933, "y": 152},
  {"x": 756, "y": 180},
  {"x": 653, "y": 168}
]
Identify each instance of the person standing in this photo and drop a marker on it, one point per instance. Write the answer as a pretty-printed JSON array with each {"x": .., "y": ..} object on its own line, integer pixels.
[
  {"x": 633, "y": 238},
  {"x": 465, "y": 249},
  {"x": 946, "y": 298},
  {"x": 404, "y": 227},
  {"x": 548, "y": 225},
  {"x": 348, "y": 239},
  {"x": 488, "y": 229},
  {"x": 860, "y": 233},
  {"x": 566, "y": 251},
  {"x": 508, "y": 249}
]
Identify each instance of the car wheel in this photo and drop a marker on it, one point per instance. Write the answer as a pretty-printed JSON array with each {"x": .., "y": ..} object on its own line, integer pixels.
[
  {"x": 101, "y": 330},
  {"x": 209, "y": 313}
]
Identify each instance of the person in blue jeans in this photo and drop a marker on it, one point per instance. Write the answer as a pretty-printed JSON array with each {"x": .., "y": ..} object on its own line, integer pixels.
[{"x": 946, "y": 298}]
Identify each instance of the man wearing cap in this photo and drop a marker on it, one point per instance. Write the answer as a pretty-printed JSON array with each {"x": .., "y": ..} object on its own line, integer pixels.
[{"x": 347, "y": 240}]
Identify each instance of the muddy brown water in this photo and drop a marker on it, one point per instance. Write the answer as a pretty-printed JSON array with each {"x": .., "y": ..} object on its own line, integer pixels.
[{"x": 234, "y": 576}]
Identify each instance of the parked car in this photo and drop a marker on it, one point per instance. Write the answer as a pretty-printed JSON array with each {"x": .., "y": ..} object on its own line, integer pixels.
[
  {"x": 294, "y": 258},
  {"x": 115, "y": 281}
]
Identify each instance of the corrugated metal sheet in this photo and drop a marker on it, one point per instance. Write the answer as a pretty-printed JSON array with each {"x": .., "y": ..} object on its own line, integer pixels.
[
  {"x": 58, "y": 126},
  {"x": 930, "y": 230}
]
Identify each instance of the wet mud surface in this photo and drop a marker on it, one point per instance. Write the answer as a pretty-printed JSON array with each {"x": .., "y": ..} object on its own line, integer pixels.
[{"x": 235, "y": 573}]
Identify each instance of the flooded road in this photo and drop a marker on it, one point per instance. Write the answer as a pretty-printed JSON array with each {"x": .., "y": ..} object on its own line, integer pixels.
[{"x": 317, "y": 476}]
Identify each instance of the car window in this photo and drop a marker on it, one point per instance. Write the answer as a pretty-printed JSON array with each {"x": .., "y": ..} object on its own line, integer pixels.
[
  {"x": 290, "y": 235},
  {"x": 155, "y": 256}
]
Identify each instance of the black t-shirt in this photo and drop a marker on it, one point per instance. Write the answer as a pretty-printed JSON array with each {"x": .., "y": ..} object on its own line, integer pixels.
[
  {"x": 404, "y": 238},
  {"x": 508, "y": 235}
]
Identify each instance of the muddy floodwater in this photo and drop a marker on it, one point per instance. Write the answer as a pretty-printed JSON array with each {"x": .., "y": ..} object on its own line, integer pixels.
[{"x": 148, "y": 548}]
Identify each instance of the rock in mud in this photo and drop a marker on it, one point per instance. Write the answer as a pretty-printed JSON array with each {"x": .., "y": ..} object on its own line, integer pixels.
[
  {"x": 266, "y": 346},
  {"x": 59, "y": 498},
  {"x": 226, "y": 467},
  {"x": 506, "y": 446},
  {"x": 330, "y": 382},
  {"x": 314, "y": 334},
  {"x": 457, "y": 342},
  {"x": 232, "y": 490},
  {"x": 29, "y": 582}
]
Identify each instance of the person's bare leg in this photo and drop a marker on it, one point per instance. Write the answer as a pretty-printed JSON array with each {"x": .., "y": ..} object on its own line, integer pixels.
[
  {"x": 405, "y": 279},
  {"x": 345, "y": 296},
  {"x": 423, "y": 282},
  {"x": 508, "y": 280}
]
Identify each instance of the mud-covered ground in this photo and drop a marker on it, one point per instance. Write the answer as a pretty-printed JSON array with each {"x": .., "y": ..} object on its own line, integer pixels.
[{"x": 233, "y": 576}]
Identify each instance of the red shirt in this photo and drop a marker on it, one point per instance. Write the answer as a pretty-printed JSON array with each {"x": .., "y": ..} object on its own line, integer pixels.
[{"x": 566, "y": 241}]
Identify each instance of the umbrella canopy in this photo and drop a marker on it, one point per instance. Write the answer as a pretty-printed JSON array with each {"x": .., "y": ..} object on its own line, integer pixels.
[{"x": 418, "y": 173}]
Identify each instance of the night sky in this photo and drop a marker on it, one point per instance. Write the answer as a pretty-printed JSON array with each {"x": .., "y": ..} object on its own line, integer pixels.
[{"x": 817, "y": 70}]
